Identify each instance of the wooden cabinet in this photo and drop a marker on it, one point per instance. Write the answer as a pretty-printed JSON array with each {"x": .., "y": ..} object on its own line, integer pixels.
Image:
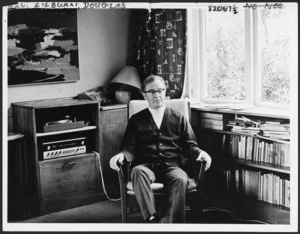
[
  {"x": 250, "y": 173},
  {"x": 64, "y": 175},
  {"x": 18, "y": 193},
  {"x": 68, "y": 175},
  {"x": 112, "y": 123},
  {"x": 66, "y": 178}
]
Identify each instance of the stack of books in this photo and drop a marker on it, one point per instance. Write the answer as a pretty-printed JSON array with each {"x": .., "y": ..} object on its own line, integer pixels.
[
  {"x": 244, "y": 125},
  {"x": 215, "y": 121},
  {"x": 276, "y": 130}
]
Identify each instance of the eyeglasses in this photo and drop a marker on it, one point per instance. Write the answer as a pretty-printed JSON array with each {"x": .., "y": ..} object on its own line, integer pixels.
[{"x": 159, "y": 91}]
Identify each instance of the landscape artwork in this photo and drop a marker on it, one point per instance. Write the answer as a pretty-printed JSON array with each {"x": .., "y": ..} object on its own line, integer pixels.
[{"x": 42, "y": 46}]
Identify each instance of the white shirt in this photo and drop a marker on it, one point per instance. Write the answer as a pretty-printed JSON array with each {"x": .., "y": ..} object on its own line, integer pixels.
[{"x": 158, "y": 115}]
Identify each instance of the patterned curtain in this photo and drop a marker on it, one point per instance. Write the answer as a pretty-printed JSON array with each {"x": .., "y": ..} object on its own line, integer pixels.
[{"x": 161, "y": 47}]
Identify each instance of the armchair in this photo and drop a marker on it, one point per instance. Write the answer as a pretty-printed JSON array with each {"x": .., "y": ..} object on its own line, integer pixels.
[{"x": 195, "y": 192}]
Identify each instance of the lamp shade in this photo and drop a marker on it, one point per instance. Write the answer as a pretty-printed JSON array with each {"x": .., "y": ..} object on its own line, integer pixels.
[{"x": 129, "y": 76}]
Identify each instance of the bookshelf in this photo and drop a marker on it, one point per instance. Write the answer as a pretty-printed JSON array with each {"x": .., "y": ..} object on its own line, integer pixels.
[{"x": 250, "y": 173}]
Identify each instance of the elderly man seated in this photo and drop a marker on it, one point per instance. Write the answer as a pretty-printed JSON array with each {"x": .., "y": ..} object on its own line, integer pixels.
[{"x": 155, "y": 139}]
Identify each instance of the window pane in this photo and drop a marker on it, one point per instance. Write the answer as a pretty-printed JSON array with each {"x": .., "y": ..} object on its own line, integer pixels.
[
  {"x": 225, "y": 51},
  {"x": 274, "y": 52}
]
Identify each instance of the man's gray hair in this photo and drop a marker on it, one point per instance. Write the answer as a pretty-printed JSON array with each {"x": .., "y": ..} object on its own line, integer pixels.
[{"x": 151, "y": 79}]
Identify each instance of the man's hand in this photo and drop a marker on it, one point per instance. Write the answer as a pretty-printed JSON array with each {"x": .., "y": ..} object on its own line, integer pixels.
[
  {"x": 203, "y": 156},
  {"x": 113, "y": 162}
]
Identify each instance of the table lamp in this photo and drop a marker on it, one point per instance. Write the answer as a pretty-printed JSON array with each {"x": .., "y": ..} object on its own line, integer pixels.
[{"x": 128, "y": 77}]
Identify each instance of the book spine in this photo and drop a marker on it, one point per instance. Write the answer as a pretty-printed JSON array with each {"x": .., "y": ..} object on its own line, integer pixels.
[
  {"x": 237, "y": 181},
  {"x": 212, "y": 121},
  {"x": 281, "y": 151},
  {"x": 211, "y": 115},
  {"x": 241, "y": 181},
  {"x": 230, "y": 146},
  {"x": 270, "y": 188},
  {"x": 254, "y": 154},
  {"x": 271, "y": 153},
  {"x": 243, "y": 148},
  {"x": 261, "y": 184},
  {"x": 209, "y": 124},
  {"x": 283, "y": 192},
  {"x": 265, "y": 189},
  {"x": 288, "y": 194},
  {"x": 275, "y": 199},
  {"x": 259, "y": 151},
  {"x": 258, "y": 175},
  {"x": 277, "y": 189},
  {"x": 262, "y": 151},
  {"x": 236, "y": 148},
  {"x": 246, "y": 180},
  {"x": 247, "y": 148},
  {"x": 275, "y": 144},
  {"x": 251, "y": 148},
  {"x": 287, "y": 155},
  {"x": 280, "y": 192}
]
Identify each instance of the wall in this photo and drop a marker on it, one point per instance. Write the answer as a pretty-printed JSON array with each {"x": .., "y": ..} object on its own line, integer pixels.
[{"x": 105, "y": 46}]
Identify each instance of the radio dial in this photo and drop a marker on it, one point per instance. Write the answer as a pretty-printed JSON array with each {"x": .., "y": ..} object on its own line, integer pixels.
[{"x": 64, "y": 148}]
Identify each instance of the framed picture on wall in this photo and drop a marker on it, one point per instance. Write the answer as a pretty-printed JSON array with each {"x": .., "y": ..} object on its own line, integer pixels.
[{"x": 42, "y": 46}]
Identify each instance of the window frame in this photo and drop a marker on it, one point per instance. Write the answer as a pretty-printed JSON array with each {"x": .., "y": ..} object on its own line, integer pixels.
[{"x": 196, "y": 62}]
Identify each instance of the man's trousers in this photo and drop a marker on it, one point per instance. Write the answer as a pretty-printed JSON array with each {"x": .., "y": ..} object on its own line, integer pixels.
[{"x": 175, "y": 181}]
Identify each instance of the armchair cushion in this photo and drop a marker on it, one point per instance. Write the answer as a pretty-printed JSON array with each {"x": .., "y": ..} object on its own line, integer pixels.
[{"x": 158, "y": 187}]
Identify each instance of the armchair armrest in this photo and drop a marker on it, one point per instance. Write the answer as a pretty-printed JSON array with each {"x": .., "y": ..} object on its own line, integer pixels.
[
  {"x": 124, "y": 173},
  {"x": 125, "y": 170},
  {"x": 201, "y": 171},
  {"x": 200, "y": 178}
]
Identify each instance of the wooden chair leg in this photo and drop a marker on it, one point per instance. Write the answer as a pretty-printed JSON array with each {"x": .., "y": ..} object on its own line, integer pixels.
[{"x": 124, "y": 209}]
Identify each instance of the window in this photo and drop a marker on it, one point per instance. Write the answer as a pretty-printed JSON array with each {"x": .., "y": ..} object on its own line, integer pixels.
[
  {"x": 274, "y": 55},
  {"x": 225, "y": 54},
  {"x": 243, "y": 57}
]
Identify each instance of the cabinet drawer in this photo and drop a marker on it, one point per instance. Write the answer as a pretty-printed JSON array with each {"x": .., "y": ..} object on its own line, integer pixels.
[{"x": 68, "y": 174}]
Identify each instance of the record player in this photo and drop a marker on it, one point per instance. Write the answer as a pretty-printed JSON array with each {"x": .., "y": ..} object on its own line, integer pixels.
[{"x": 63, "y": 124}]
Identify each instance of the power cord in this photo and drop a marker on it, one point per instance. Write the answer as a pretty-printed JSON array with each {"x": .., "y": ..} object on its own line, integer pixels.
[
  {"x": 102, "y": 179},
  {"x": 233, "y": 215}
]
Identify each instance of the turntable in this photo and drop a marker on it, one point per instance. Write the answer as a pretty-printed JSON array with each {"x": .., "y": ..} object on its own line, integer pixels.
[{"x": 63, "y": 124}]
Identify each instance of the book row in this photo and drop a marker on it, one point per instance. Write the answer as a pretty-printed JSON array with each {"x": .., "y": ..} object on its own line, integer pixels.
[
  {"x": 273, "y": 130},
  {"x": 263, "y": 187},
  {"x": 259, "y": 150}
]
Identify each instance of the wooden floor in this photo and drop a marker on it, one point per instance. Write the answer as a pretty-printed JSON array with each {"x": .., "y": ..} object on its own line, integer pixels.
[
  {"x": 107, "y": 216},
  {"x": 110, "y": 212},
  {"x": 101, "y": 212}
]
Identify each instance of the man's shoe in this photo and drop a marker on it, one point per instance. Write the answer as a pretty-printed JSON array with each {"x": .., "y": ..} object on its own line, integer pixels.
[{"x": 153, "y": 219}]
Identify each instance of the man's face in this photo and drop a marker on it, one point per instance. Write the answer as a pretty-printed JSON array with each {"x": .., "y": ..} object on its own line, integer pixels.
[{"x": 155, "y": 93}]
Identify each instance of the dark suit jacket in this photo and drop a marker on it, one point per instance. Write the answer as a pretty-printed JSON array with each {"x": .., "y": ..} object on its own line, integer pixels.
[{"x": 143, "y": 142}]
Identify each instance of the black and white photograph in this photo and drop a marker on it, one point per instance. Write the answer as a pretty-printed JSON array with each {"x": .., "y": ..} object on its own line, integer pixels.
[{"x": 150, "y": 116}]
